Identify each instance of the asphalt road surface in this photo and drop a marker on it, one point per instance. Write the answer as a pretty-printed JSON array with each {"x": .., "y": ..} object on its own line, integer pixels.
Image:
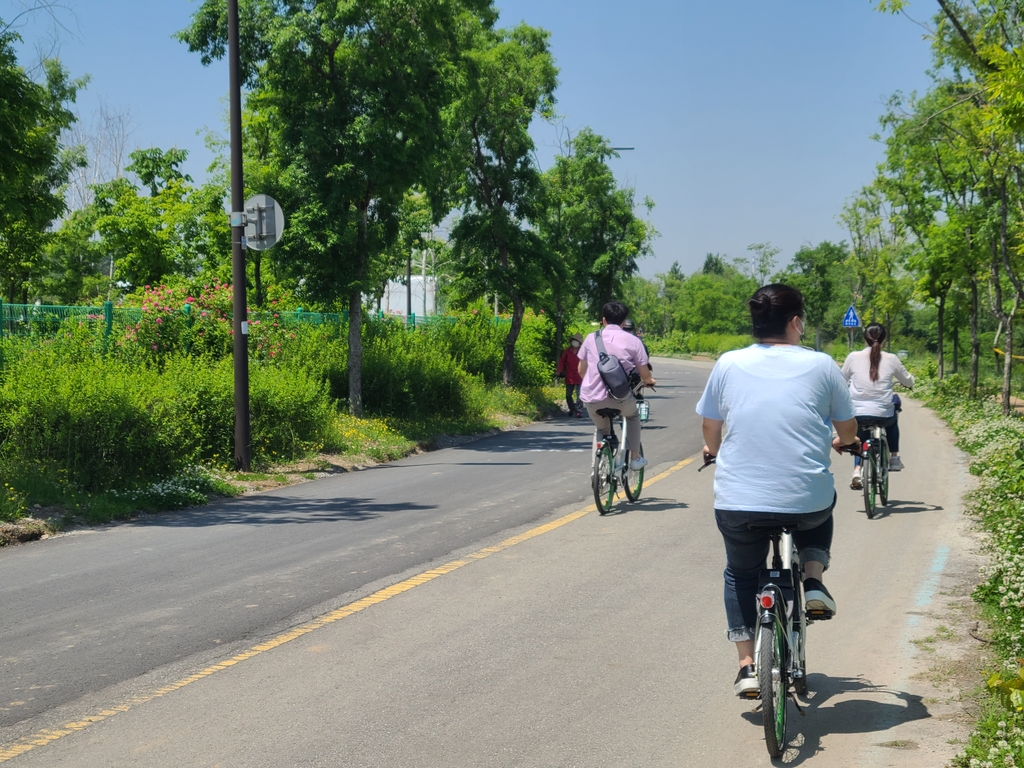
[{"x": 462, "y": 608}]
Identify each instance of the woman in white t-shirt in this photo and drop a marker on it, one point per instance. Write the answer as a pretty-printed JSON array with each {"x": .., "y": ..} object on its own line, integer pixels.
[
  {"x": 870, "y": 373},
  {"x": 768, "y": 415}
]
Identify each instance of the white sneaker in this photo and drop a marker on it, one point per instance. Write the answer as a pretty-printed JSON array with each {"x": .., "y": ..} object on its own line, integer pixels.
[
  {"x": 638, "y": 463},
  {"x": 855, "y": 480}
]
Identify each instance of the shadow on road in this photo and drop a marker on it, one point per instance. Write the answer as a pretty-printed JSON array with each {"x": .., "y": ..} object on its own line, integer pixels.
[
  {"x": 530, "y": 440},
  {"x": 277, "y": 510},
  {"x": 895, "y": 507},
  {"x": 860, "y": 707},
  {"x": 655, "y": 504}
]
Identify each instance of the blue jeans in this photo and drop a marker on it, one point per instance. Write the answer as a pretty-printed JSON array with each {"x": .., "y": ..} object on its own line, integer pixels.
[{"x": 747, "y": 550}]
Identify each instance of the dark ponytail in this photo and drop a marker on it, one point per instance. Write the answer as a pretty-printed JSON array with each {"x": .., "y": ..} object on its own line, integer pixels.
[
  {"x": 875, "y": 335},
  {"x": 771, "y": 309}
]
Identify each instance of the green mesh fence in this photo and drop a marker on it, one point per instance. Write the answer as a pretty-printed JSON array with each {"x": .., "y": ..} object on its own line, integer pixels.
[{"x": 45, "y": 319}]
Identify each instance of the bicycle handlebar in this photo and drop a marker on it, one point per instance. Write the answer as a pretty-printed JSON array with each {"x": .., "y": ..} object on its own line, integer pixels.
[{"x": 855, "y": 449}]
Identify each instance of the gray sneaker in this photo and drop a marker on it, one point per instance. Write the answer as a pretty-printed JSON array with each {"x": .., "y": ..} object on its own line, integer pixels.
[
  {"x": 895, "y": 464},
  {"x": 746, "y": 686}
]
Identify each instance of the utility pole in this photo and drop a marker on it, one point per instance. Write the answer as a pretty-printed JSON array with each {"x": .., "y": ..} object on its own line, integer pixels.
[{"x": 239, "y": 318}]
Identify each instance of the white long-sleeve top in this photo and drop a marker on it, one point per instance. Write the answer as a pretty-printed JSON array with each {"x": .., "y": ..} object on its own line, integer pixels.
[{"x": 874, "y": 398}]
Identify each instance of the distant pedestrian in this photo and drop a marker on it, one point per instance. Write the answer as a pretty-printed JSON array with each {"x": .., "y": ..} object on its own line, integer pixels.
[{"x": 569, "y": 367}]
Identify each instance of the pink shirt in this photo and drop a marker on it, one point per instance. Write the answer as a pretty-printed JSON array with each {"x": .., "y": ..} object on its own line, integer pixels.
[{"x": 624, "y": 345}]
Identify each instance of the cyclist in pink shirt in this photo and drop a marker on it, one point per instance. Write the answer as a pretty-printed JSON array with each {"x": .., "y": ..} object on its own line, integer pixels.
[{"x": 595, "y": 395}]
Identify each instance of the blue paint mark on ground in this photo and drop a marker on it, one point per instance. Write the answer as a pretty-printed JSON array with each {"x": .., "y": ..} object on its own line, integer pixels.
[{"x": 931, "y": 585}]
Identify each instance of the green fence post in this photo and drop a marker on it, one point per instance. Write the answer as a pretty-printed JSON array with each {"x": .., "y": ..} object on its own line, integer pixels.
[
  {"x": 410, "y": 321},
  {"x": 108, "y": 322},
  {"x": 188, "y": 324},
  {"x": 1, "y": 318}
]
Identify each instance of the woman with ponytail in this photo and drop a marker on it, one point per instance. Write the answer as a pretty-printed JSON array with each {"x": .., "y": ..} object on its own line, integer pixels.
[
  {"x": 870, "y": 373},
  {"x": 768, "y": 415}
]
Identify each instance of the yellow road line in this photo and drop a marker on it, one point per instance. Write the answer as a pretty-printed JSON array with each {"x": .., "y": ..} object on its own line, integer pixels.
[{"x": 48, "y": 736}]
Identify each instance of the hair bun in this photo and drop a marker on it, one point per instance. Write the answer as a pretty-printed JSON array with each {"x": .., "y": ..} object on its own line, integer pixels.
[{"x": 761, "y": 302}]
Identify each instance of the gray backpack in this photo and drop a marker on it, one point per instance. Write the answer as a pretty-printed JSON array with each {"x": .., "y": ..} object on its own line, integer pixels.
[{"x": 611, "y": 371}]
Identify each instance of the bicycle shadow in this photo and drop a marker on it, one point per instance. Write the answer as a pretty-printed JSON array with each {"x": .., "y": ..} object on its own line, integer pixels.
[
  {"x": 856, "y": 714},
  {"x": 646, "y": 504},
  {"x": 897, "y": 507}
]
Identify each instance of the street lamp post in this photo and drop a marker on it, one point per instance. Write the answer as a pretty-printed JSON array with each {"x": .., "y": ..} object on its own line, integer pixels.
[{"x": 239, "y": 320}]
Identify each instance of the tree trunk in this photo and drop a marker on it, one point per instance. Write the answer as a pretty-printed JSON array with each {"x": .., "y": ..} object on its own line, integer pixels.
[
  {"x": 817, "y": 338},
  {"x": 408, "y": 286},
  {"x": 559, "y": 326},
  {"x": 942, "y": 341},
  {"x": 975, "y": 342},
  {"x": 508, "y": 363},
  {"x": 1008, "y": 362},
  {"x": 956, "y": 348},
  {"x": 995, "y": 345},
  {"x": 355, "y": 322}
]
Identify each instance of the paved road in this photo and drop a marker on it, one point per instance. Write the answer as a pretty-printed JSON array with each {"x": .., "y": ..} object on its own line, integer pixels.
[
  {"x": 86, "y": 611},
  {"x": 535, "y": 636}
]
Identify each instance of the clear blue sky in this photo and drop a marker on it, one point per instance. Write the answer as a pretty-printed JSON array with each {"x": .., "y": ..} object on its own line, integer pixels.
[{"x": 751, "y": 119}]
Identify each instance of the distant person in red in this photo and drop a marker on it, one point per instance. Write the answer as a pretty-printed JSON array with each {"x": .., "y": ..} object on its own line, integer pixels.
[{"x": 568, "y": 366}]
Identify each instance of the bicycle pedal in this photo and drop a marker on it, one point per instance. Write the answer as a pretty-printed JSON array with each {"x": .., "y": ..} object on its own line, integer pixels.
[
  {"x": 819, "y": 615},
  {"x": 751, "y": 695}
]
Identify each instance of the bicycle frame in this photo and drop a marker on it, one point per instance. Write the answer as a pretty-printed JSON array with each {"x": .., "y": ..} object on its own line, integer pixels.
[
  {"x": 875, "y": 468},
  {"x": 620, "y": 453},
  {"x": 780, "y": 601}
]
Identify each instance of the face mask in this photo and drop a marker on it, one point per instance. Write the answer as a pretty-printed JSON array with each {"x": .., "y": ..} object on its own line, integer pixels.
[{"x": 575, "y": 344}]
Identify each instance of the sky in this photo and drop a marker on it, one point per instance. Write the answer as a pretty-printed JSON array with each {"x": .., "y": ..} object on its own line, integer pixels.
[{"x": 751, "y": 119}]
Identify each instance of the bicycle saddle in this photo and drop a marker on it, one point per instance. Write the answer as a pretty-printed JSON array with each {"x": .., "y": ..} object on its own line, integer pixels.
[{"x": 609, "y": 412}]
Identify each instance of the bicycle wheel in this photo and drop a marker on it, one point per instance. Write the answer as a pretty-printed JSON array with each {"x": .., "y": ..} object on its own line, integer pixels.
[
  {"x": 883, "y": 475},
  {"x": 868, "y": 467},
  {"x": 634, "y": 480},
  {"x": 771, "y": 677},
  {"x": 604, "y": 480}
]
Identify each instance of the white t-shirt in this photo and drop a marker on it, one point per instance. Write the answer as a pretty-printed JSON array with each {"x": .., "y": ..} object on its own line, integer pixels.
[
  {"x": 874, "y": 398},
  {"x": 777, "y": 403}
]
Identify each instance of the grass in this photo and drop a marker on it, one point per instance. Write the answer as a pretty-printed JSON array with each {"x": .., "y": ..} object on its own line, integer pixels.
[{"x": 356, "y": 440}]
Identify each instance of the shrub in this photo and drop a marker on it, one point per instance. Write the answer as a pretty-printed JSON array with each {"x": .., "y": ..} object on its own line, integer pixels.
[
  {"x": 710, "y": 344},
  {"x": 98, "y": 420}
]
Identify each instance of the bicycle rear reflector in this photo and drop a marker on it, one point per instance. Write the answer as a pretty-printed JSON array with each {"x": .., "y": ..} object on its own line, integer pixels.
[{"x": 767, "y": 600}]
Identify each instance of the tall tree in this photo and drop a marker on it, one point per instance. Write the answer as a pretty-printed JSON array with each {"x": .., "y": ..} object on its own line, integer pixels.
[
  {"x": 816, "y": 272},
  {"x": 360, "y": 88},
  {"x": 590, "y": 224},
  {"x": 510, "y": 78},
  {"x": 34, "y": 164}
]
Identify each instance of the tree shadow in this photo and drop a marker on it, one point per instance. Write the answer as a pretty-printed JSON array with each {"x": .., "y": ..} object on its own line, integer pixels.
[
  {"x": 555, "y": 441},
  {"x": 859, "y": 714},
  {"x": 278, "y": 510}
]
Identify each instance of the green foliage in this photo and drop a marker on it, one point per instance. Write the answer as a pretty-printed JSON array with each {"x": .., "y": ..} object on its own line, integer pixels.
[
  {"x": 709, "y": 344},
  {"x": 996, "y": 444},
  {"x": 590, "y": 223},
  {"x": 712, "y": 303},
  {"x": 34, "y": 165}
]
